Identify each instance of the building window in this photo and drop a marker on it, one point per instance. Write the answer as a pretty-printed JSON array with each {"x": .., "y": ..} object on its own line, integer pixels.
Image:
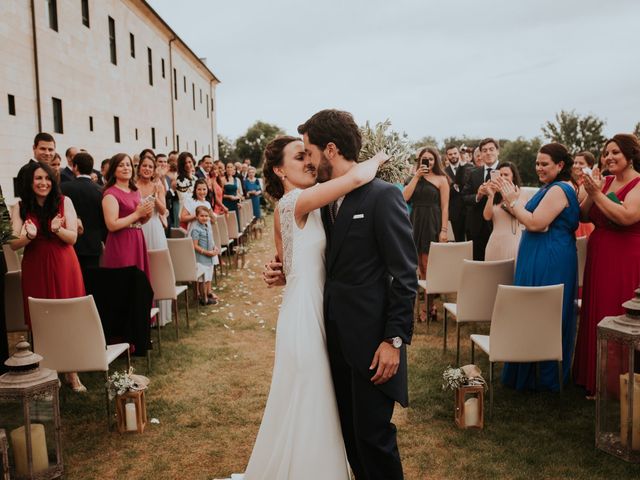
[
  {"x": 91, "y": 124},
  {"x": 132, "y": 45},
  {"x": 195, "y": 147},
  {"x": 57, "y": 115},
  {"x": 150, "y": 65},
  {"x": 178, "y": 142},
  {"x": 116, "y": 129},
  {"x": 162, "y": 65},
  {"x": 153, "y": 137},
  {"x": 175, "y": 84},
  {"x": 11, "y": 101},
  {"x": 53, "y": 14},
  {"x": 85, "y": 12},
  {"x": 166, "y": 141},
  {"x": 200, "y": 96},
  {"x": 193, "y": 94},
  {"x": 207, "y": 106},
  {"x": 184, "y": 83},
  {"x": 212, "y": 104},
  {"x": 112, "y": 40},
  {"x": 136, "y": 134}
]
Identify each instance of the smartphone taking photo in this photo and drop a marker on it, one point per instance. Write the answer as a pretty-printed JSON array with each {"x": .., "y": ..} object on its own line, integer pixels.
[{"x": 493, "y": 176}]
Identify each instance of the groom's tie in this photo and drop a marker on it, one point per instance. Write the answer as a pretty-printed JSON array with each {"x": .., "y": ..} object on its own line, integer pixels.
[{"x": 333, "y": 212}]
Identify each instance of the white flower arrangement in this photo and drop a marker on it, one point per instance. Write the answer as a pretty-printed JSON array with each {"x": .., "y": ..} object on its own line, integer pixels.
[
  {"x": 120, "y": 383},
  {"x": 469, "y": 375}
]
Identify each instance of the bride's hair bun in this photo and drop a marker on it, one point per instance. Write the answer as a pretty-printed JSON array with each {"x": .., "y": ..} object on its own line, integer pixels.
[{"x": 273, "y": 157}]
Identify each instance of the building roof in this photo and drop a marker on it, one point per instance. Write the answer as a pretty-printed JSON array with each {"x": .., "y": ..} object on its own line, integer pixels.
[{"x": 176, "y": 37}]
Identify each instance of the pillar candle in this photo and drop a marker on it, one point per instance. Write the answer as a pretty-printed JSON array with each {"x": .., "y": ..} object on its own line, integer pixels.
[
  {"x": 471, "y": 413},
  {"x": 624, "y": 411},
  {"x": 38, "y": 449},
  {"x": 130, "y": 416}
]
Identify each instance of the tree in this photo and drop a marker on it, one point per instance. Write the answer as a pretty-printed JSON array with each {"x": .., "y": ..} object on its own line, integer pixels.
[
  {"x": 251, "y": 144},
  {"x": 522, "y": 153},
  {"x": 576, "y": 132},
  {"x": 636, "y": 131},
  {"x": 226, "y": 150},
  {"x": 427, "y": 140}
]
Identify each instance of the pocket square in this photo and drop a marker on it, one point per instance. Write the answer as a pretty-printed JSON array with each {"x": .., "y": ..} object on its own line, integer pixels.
[{"x": 358, "y": 216}]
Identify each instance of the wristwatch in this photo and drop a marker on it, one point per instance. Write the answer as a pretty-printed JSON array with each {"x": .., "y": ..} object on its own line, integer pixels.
[{"x": 395, "y": 342}]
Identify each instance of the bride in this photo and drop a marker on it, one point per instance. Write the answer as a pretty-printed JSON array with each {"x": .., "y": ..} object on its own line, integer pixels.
[{"x": 300, "y": 436}]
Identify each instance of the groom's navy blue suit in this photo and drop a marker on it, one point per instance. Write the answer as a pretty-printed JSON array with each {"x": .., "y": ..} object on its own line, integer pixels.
[{"x": 370, "y": 290}]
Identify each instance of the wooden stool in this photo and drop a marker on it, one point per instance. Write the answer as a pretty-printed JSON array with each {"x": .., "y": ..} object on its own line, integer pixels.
[{"x": 141, "y": 411}]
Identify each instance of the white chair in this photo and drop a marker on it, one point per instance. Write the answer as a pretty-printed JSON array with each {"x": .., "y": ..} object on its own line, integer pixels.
[
  {"x": 163, "y": 282},
  {"x": 13, "y": 302},
  {"x": 476, "y": 294},
  {"x": 178, "y": 232},
  {"x": 235, "y": 234},
  {"x": 12, "y": 259},
  {"x": 69, "y": 336},
  {"x": 185, "y": 268},
  {"x": 581, "y": 247},
  {"x": 225, "y": 240},
  {"x": 526, "y": 326},
  {"x": 217, "y": 239},
  {"x": 444, "y": 268}
]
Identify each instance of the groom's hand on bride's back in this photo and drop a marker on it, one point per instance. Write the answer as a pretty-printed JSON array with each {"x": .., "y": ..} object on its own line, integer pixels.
[{"x": 273, "y": 275}]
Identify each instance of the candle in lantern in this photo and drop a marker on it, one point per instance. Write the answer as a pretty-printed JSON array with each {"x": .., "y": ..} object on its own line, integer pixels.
[
  {"x": 38, "y": 449},
  {"x": 130, "y": 417},
  {"x": 471, "y": 412}
]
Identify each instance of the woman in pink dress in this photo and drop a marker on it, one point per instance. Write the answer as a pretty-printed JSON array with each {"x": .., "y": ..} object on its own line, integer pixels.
[
  {"x": 124, "y": 214},
  {"x": 612, "y": 270},
  {"x": 47, "y": 228}
]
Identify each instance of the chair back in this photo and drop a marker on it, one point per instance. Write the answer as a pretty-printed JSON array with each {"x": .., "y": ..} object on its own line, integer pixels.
[
  {"x": 478, "y": 286},
  {"x": 526, "y": 325},
  {"x": 163, "y": 280},
  {"x": 12, "y": 258},
  {"x": 13, "y": 302},
  {"x": 581, "y": 246},
  {"x": 215, "y": 228},
  {"x": 232, "y": 225},
  {"x": 178, "y": 232},
  {"x": 68, "y": 334},
  {"x": 183, "y": 259},
  {"x": 444, "y": 266},
  {"x": 221, "y": 221}
]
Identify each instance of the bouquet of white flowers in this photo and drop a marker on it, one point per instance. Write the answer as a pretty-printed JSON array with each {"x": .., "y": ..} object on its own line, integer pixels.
[
  {"x": 120, "y": 383},
  {"x": 469, "y": 375}
]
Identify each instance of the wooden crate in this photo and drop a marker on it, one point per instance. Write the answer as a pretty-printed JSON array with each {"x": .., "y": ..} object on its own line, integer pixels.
[{"x": 141, "y": 411}]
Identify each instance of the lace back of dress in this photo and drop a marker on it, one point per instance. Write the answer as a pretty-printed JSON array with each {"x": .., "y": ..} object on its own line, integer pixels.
[{"x": 286, "y": 208}]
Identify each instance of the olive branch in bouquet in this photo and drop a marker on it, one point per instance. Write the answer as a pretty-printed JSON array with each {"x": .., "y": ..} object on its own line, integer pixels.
[{"x": 396, "y": 145}]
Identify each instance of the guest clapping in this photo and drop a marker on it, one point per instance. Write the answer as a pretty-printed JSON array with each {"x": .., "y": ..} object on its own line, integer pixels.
[
  {"x": 217, "y": 188},
  {"x": 124, "y": 214},
  {"x": 186, "y": 179},
  {"x": 505, "y": 236},
  {"x": 47, "y": 229},
  {"x": 232, "y": 188},
  {"x": 583, "y": 164},
  {"x": 547, "y": 254},
  {"x": 612, "y": 270}
]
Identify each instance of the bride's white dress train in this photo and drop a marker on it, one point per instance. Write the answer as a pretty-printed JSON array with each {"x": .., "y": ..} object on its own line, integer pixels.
[{"x": 300, "y": 436}]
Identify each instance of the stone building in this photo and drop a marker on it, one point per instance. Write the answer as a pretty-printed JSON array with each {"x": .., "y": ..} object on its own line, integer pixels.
[{"x": 105, "y": 75}]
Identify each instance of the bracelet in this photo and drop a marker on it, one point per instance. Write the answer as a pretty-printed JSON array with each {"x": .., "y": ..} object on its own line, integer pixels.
[{"x": 513, "y": 204}]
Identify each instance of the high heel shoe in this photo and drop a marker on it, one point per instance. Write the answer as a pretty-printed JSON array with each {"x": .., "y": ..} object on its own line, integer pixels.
[
  {"x": 74, "y": 383},
  {"x": 433, "y": 314}
]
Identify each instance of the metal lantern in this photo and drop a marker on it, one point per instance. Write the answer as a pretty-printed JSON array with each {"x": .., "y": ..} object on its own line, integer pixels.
[
  {"x": 30, "y": 415},
  {"x": 618, "y": 399}
]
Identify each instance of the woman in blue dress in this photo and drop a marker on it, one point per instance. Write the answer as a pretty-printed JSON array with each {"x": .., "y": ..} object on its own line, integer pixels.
[
  {"x": 232, "y": 191},
  {"x": 253, "y": 190},
  {"x": 547, "y": 255}
]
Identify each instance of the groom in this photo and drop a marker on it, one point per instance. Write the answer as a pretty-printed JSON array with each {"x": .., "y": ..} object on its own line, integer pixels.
[{"x": 369, "y": 294}]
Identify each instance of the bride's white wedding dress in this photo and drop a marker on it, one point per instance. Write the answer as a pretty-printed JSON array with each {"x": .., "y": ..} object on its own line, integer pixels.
[{"x": 300, "y": 436}]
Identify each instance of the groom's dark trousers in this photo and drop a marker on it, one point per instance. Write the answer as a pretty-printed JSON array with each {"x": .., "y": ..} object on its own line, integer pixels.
[{"x": 369, "y": 294}]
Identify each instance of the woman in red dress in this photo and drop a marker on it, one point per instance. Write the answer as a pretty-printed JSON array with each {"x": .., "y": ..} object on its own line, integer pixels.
[
  {"x": 47, "y": 228},
  {"x": 124, "y": 213},
  {"x": 612, "y": 270}
]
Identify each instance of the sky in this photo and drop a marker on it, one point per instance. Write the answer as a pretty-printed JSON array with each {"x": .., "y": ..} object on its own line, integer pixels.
[{"x": 479, "y": 68}]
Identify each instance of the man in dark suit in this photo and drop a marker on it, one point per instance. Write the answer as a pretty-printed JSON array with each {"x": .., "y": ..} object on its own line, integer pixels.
[
  {"x": 457, "y": 173},
  {"x": 44, "y": 149},
  {"x": 86, "y": 196},
  {"x": 66, "y": 175},
  {"x": 475, "y": 196},
  {"x": 204, "y": 166},
  {"x": 369, "y": 293}
]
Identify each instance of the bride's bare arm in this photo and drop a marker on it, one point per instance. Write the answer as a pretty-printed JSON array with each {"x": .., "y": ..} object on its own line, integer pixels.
[
  {"x": 277, "y": 235},
  {"x": 273, "y": 275},
  {"x": 322, "y": 194}
]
